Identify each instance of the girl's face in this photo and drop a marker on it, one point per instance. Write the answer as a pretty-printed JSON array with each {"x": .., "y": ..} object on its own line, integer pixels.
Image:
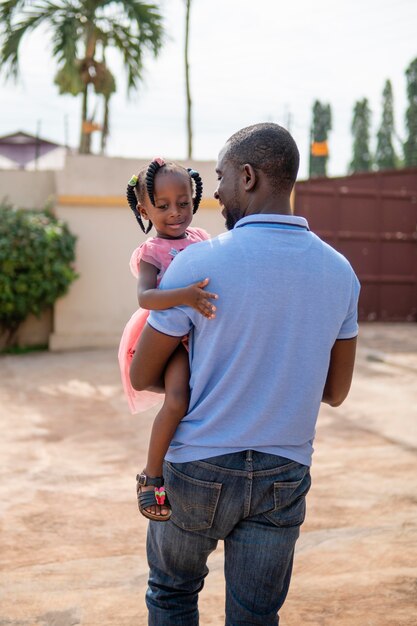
[{"x": 173, "y": 210}]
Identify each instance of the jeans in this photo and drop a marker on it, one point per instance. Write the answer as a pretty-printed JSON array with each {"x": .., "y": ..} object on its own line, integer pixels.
[{"x": 252, "y": 501}]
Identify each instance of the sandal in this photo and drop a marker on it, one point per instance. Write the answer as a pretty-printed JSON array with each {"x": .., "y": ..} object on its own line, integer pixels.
[{"x": 157, "y": 497}]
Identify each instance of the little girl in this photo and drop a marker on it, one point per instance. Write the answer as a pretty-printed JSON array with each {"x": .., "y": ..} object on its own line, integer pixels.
[{"x": 162, "y": 194}]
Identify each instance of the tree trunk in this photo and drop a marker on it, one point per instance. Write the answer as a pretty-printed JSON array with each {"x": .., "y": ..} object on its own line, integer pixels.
[
  {"x": 105, "y": 126},
  {"x": 90, "y": 49},
  {"x": 84, "y": 138},
  {"x": 187, "y": 83}
]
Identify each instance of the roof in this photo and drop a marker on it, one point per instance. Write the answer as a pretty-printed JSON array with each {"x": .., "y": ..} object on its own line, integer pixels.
[
  {"x": 23, "y": 148},
  {"x": 22, "y": 138}
]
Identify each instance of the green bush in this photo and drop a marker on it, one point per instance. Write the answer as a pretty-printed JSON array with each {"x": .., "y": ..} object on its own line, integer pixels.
[{"x": 37, "y": 252}]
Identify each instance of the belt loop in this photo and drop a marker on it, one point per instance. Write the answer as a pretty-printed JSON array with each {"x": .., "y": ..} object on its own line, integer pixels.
[{"x": 248, "y": 455}]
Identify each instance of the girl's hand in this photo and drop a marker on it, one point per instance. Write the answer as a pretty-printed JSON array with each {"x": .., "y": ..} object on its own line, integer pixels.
[{"x": 196, "y": 297}]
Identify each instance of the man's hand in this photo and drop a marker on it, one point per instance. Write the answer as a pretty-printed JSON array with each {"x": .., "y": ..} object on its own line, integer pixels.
[{"x": 198, "y": 299}]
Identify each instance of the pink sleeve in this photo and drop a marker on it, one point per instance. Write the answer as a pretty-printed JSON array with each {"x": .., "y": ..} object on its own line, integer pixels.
[
  {"x": 148, "y": 252},
  {"x": 201, "y": 233}
]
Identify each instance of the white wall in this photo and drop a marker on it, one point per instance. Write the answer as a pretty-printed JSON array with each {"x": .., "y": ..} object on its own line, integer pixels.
[{"x": 29, "y": 190}]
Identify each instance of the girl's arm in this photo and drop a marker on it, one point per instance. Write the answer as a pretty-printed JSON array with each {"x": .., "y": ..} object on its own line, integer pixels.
[{"x": 154, "y": 299}]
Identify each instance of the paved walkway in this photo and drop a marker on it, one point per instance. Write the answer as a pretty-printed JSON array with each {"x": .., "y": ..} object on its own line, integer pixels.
[{"x": 72, "y": 542}]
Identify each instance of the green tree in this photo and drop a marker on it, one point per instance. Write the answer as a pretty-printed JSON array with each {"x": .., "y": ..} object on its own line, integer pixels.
[
  {"x": 410, "y": 145},
  {"x": 187, "y": 80},
  {"x": 80, "y": 31},
  {"x": 319, "y": 152},
  {"x": 385, "y": 157},
  {"x": 362, "y": 158},
  {"x": 37, "y": 254}
]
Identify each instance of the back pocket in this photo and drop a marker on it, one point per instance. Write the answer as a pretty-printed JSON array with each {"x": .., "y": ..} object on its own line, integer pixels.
[
  {"x": 193, "y": 501},
  {"x": 289, "y": 500}
]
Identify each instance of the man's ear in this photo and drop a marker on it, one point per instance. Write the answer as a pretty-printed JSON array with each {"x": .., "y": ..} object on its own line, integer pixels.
[{"x": 249, "y": 177}]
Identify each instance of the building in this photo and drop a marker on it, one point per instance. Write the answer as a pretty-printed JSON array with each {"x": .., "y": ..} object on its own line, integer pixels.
[{"x": 23, "y": 151}]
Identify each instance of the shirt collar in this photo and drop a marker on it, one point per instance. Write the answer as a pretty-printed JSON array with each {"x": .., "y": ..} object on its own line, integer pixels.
[{"x": 273, "y": 218}]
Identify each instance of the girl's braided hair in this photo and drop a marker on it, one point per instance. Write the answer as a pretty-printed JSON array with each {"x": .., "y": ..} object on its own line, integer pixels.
[
  {"x": 132, "y": 201},
  {"x": 146, "y": 178}
]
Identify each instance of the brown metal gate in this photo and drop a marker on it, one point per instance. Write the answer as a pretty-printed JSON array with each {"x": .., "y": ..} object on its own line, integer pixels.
[{"x": 371, "y": 218}]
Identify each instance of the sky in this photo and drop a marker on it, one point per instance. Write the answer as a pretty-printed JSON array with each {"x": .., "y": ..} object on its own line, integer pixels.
[{"x": 250, "y": 62}]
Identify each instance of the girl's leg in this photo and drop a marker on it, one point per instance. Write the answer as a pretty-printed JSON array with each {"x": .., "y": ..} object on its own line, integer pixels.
[{"x": 177, "y": 396}]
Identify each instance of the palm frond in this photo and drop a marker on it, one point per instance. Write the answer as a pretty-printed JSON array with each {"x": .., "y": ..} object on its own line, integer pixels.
[
  {"x": 126, "y": 43},
  {"x": 66, "y": 34},
  {"x": 131, "y": 27},
  {"x": 8, "y": 9},
  {"x": 149, "y": 23},
  {"x": 21, "y": 17},
  {"x": 9, "y": 53}
]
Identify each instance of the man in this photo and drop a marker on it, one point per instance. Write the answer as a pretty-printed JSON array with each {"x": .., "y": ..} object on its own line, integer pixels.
[{"x": 283, "y": 340}]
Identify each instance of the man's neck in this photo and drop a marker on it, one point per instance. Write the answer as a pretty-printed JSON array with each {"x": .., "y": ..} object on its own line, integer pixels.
[{"x": 277, "y": 205}]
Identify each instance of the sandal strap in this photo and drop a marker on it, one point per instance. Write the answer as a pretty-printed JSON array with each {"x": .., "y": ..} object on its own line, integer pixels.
[
  {"x": 143, "y": 480},
  {"x": 147, "y": 499}
]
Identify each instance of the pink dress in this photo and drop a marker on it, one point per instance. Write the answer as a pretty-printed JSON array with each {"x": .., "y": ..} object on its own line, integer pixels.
[{"x": 158, "y": 252}]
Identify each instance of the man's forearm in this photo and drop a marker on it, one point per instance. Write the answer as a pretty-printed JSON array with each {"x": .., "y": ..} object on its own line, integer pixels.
[{"x": 339, "y": 376}]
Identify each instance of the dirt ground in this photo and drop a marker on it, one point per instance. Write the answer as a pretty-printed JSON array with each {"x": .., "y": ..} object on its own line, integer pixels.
[{"x": 73, "y": 543}]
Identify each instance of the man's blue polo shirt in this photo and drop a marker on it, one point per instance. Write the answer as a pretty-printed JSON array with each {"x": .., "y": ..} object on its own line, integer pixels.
[{"x": 258, "y": 369}]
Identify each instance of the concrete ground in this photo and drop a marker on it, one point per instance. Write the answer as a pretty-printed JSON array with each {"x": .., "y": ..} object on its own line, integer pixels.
[{"x": 73, "y": 543}]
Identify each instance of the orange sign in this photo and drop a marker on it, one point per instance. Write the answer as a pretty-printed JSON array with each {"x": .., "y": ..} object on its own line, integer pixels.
[
  {"x": 90, "y": 127},
  {"x": 320, "y": 149}
]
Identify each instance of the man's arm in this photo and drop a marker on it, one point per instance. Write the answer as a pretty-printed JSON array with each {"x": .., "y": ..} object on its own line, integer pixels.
[
  {"x": 339, "y": 375},
  {"x": 152, "y": 354}
]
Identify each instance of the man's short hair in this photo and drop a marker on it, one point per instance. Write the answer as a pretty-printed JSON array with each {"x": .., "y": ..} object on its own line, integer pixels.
[{"x": 269, "y": 148}]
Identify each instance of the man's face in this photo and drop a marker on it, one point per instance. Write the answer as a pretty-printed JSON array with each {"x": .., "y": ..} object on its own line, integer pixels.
[{"x": 227, "y": 192}]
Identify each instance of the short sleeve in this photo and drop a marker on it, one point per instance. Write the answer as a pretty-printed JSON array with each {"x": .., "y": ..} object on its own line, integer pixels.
[
  {"x": 201, "y": 234},
  {"x": 147, "y": 251},
  {"x": 349, "y": 328},
  {"x": 176, "y": 321}
]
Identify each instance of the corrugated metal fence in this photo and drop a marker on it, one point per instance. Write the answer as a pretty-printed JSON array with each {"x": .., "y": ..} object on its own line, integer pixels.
[{"x": 371, "y": 218}]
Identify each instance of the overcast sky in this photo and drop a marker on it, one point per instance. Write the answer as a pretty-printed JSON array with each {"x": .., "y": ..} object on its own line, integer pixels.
[{"x": 251, "y": 61}]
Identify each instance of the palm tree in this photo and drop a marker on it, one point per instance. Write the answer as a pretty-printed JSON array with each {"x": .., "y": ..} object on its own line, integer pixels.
[
  {"x": 80, "y": 31},
  {"x": 104, "y": 84}
]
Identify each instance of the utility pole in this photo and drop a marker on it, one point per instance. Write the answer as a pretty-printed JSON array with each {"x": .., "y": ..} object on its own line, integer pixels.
[
  {"x": 37, "y": 143},
  {"x": 66, "y": 133},
  {"x": 187, "y": 82}
]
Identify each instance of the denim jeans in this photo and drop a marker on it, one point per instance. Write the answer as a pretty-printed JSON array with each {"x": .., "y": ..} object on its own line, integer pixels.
[{"x": 252, "y": 501}]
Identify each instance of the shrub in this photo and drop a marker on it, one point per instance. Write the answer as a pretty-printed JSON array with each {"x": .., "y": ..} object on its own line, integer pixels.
[{"x": 36, "y": 255}]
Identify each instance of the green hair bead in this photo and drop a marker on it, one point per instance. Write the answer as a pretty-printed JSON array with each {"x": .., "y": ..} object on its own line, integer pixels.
[{"x": 133, "y": 181}]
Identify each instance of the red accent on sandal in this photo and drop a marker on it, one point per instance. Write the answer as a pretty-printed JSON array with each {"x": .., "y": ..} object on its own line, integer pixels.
[{"x": 160, "y": 495}]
